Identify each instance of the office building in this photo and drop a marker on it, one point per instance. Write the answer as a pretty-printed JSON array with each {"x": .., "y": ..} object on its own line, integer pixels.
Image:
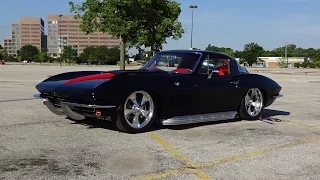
[
  {"x": 9, "y": 46},
  {"x": 28, "y": 31},
  {"x": 67, "y": 27}
]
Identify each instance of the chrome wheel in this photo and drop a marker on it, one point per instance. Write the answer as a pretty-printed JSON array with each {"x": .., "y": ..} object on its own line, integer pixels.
[
  {"x": 254, "y": 102},
  {"x": 138, "y": 109}
]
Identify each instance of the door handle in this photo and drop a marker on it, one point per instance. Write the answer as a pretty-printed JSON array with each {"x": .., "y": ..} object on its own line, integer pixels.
[{"x": 234, "y": 82}]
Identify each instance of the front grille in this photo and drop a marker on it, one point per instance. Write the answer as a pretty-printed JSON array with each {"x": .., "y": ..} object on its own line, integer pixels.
[{"x": 55, "y": 100}]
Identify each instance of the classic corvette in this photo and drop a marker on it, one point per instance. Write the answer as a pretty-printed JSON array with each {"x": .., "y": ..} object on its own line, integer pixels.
[{"x": 174, "y": 87}]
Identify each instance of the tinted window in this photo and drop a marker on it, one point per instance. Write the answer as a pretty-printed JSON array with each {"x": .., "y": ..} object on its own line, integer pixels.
[
  {"x": 175, "y": 62},
  {"x": 215, "y": 64},
  {"x": 242, "y": 69}
]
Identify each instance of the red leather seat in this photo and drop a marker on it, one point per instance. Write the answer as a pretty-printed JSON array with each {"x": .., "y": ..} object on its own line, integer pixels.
[
  {"x": 181, "y": 70},
  {"x": 223, "y": 70}
]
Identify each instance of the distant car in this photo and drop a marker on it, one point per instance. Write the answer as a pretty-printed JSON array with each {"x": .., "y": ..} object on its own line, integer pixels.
[
  {"x": 2, "y": 62},
  {"x": 200, "y": 86}
]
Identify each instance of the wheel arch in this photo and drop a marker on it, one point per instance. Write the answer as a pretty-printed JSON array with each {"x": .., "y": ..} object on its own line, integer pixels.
[{"x": 264, "y": 95}]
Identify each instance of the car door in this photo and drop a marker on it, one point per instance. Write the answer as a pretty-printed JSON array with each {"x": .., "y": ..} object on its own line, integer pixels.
[
  {"x": 218, "y": 85},
  {"x": 184, "y": 94},
  {"x": 221, "y": 92}
]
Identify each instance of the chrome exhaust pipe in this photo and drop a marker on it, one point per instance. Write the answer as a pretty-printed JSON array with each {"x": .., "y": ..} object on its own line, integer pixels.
[{"x": 73, "y": 115}]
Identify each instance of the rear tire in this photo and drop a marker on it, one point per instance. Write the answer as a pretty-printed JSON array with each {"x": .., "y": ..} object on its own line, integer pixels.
[
  {"x": 252, "y": 105},
  {"x": 137, "y": 113}
]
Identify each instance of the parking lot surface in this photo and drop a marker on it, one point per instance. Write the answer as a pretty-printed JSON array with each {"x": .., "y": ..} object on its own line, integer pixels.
[{"x": 37, "y": 144}]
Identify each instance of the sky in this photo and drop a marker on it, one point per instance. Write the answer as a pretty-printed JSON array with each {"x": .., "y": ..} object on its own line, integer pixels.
[{"x": 228, "y": 23}]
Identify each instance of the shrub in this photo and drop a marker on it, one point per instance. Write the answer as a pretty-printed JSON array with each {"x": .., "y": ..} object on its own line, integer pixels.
[
  {"x": 317, "y": 64},
  {"x": 312, "y": 65},
  {"x": 304, "y": 64},
  {"x": 297, "y": 65}
]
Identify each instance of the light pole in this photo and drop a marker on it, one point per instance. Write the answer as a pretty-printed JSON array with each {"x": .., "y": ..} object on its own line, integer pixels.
[
  {"x": 192, "y": 7},
  {"x": 60, "y": 46},
  {"x": 286, "y": 55}
]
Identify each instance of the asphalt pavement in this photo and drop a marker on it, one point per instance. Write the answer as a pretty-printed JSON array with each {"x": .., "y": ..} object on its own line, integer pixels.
[{"x": 36, "y": 144}]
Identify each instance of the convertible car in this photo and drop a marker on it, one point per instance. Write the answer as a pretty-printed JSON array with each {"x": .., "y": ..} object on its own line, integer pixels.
[{"x": 174, "y": 87}]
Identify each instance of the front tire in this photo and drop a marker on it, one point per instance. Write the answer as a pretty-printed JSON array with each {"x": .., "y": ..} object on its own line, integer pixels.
[
  {"x": 137, "y": 113},
  {"x": 251, "y": 105}
]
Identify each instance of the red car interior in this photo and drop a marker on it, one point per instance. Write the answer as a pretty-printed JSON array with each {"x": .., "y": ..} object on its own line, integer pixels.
[
  {"x": 186, "y": 65},
  {"x": 223, "y": 70},
  {"x": 181, "y": 70}
]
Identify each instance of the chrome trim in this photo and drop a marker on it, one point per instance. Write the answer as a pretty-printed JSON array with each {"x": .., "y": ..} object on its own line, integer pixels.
[
  {"x": 37, "y": 96},
  {"x": 52, "y": 108},
  {"x": 278, "y": 96},
  {"x": 253, "y": 102},
  {"x": 138, "y": 114},
  {"x": 66, "y": 109},
  {"x": 87, "y": 105},
  {"x": 197, "y": 118}
]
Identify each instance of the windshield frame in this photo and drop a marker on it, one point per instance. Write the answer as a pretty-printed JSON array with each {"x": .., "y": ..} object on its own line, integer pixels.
[{"x": 156, "y": 57}]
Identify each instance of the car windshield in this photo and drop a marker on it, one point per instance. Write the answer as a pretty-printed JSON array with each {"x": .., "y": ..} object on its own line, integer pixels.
[{"x": 177, "y": 62}]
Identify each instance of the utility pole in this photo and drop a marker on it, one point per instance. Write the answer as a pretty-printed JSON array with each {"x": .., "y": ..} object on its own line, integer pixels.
[
  {"x": 286, "y": 55},
  {"x": 60, "y": 46},
  {"x": 192, "y": 7},
  {"x": 122, "y": 54}
]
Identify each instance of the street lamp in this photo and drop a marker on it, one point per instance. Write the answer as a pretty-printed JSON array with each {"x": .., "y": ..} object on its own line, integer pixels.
[
  {"x": 286, "y": 55},
  {"x": 192, "y": 7},
  {"x": 60, "y": 46}
]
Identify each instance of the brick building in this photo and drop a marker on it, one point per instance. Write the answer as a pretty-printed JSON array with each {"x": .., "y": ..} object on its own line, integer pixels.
[
  {"x": 29, "y": 30},
  {"x": 67, "y": 27}
]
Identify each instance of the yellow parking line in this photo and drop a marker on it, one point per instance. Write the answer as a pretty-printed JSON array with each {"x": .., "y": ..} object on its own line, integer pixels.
[
  {"x": 196, "y": 168},
  {"x": 256, "y": 153},
  {"x": 297, "y": 123},
  {"x": 163, "y": 174},
  {"x": 176, "y": 153},
  {"x": 173, "y": 151},
  {"x": 200, "y": 174}
]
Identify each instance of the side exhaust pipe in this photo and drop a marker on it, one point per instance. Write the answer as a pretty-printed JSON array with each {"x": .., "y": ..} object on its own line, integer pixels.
[
  {"x": 67, "y": 111},
  {"x": 52, "y": 108}
]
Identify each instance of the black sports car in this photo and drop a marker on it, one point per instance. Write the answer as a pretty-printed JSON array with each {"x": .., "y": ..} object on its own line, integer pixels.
[{"x": 174, "y": 87}]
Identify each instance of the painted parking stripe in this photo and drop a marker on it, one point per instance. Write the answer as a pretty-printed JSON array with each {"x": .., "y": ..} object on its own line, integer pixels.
[
  {"x": 228, "y": 159},
  {"x": 257, "y": 152},
  {"x": 189, "y": 165}
]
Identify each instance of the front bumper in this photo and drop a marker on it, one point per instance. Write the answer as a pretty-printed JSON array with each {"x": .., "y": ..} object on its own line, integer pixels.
[
  {"x": 75, "y": 110},
  {"x": 278, "y": 96}
]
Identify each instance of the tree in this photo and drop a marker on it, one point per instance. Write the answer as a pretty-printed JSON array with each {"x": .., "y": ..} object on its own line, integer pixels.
[
  {"x": 282, "y": 63},
  {"x": 88, "y": 54},
  {"x": 251, "y": 52},
  {"x": 136, "y": 23},
  {"x": 1, "y": 55},
  {"x": 158, "y": 21},
  {"x": 100, "y": 55},
  {"x": 69, "y": 55},
  {"x": 118, "y": 18},
  {"x": 113, "y": 55},
  {"x": 238, "y": 54},
  {"x": 228, "y": 51},
  {"x": 43, "y": 55},
  {"x": 29, "y": 52}
]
